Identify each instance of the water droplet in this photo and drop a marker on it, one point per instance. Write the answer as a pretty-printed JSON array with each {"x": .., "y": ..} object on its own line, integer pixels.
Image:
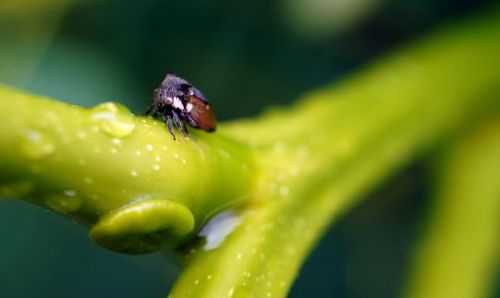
[
  {"x": 294, "y": 171},
  {"x": 218, "y": 228},
  {"x": 36, "y": 145},
  {"x": 303, "y": 152},
  {"x": 284, "y": 191},
  {"x": 149, "y": 147},
  {"x": 81, "y": 135},
  {"x": 224, "y": 153},
  {"x": 156, "y": 167},
  {"x": 279, "y": 147},
  {"x": 65, "y": 139},
  {"x": 133, "y": 173},
  {"x": 290, "y": 249},
  {"x": 113, "y": 119},
  {"x": 65, "y": 202},
  {"x": 15, "y": 190}
]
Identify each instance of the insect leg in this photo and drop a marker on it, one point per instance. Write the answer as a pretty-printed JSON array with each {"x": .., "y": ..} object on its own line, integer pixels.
[
  {"x": 183, "y": 122},
  {"x": 149, "y": 111},
  {"x": 181, "y": 126},
  {"x": 191, "y": 121},
  {"x": 168, "y": 118}
]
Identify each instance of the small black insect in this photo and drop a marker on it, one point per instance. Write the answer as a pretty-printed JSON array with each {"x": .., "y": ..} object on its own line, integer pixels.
[{"x": 178, "y": 101}]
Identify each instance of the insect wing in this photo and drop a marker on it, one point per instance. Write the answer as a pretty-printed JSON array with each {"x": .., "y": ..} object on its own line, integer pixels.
[{"x": 201, "y": 113}]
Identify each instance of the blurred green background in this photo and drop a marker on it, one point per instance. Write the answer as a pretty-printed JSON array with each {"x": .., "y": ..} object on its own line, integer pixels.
[{"x": 245, "y": 56}]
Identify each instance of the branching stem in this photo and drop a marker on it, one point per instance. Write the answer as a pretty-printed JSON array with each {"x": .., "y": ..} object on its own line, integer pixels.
[{"x": 289, "y": 173}]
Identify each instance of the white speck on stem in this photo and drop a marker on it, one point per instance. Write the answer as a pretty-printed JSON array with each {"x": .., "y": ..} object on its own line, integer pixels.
[
  {"x": 284, "y": 191},
  {"x": 218, "y": 228},
  {"x": 81, "y": 135}
]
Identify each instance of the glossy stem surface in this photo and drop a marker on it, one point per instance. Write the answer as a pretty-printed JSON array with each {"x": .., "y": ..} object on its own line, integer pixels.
[
  {"x": 461, "y": 246},
  {"x": 289, "y": 174},
  {"x": 319, "y": 157}
]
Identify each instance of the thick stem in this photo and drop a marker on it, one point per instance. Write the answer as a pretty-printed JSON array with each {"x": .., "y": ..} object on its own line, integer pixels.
[
  {"x": 104, "y": 163},
  {"x": 296, "y": 169},
  {"x": 460, "y": 253},
  {"x": 319, "y": 157}
]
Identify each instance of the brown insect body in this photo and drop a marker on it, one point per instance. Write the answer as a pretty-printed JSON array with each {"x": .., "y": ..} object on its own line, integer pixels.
[{"x": 178, "y": 102}]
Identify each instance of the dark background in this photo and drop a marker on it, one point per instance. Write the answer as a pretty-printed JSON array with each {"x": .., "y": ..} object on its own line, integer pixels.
[{"x": 245, "y": 56}]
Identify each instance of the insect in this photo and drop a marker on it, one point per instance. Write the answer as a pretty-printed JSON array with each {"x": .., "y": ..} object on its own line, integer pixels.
[{"x": 177, "y": 101}]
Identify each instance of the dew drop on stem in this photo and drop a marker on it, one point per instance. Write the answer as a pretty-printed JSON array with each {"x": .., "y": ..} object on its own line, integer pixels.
[
  {"x": 113, "y": 119},
  {"x": 36, "y": 145}
]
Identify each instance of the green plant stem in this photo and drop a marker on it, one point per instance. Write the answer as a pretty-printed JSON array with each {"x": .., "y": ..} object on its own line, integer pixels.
[
  {"x": 460, "y": 253},
  {"x": 104, "y": 164},
  {"x": 292, "y": 171},
  {"x": 319, "y": 157}
]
